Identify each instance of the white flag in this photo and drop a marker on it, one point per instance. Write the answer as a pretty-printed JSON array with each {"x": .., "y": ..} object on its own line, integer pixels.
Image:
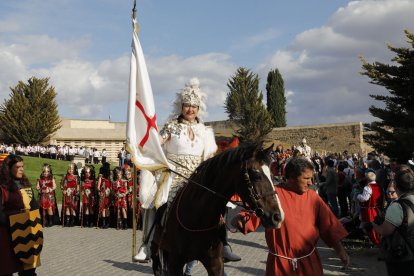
[{"x": 142, "y": 132}]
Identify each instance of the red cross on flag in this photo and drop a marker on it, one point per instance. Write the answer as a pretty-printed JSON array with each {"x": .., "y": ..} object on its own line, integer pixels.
[{"x": 142, "y": 133}]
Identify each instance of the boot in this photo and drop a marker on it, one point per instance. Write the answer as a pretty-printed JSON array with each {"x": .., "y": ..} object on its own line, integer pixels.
[
  {"x": 188, "y": 268},
  {"x": 67, "y": 219},
  {"x": 105, "y": 223},
  {"x": 90, "y": 221},
  {"x": 228, "y": 255},
  {"x": 72, "y": 221},
  {"x": 85, "y": 220},
  {"x": 144, "y": 253},
  {"x": 125, "y": 226},
  {"x": 49, "y": 220}
]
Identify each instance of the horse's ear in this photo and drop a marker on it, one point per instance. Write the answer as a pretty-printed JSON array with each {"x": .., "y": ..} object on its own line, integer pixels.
[
  {"x": 263, "y": 154},
  {"x": 268, "y": 150}
]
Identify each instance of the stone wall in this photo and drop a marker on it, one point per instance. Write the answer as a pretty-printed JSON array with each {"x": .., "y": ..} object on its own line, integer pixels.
[{"x": 322, "y": 138}]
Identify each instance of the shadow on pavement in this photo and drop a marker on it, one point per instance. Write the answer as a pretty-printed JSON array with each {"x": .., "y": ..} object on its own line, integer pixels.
[
  {"x": 248, "y": 270},
  {"x": 130, "y": 266},
  {"x": 247, "y": 243},
  {"x": 333, "y": 266}
]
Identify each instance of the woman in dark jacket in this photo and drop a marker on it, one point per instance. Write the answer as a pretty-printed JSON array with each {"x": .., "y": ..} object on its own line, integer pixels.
[{"x": 16, "y": 196}]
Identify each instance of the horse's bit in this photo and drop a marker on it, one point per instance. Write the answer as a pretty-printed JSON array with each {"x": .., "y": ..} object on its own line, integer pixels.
[{"x": 253, "y": 195}]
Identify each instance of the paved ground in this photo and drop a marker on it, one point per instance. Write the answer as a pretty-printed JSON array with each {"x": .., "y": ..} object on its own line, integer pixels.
[{"x": 91, "y": 251}]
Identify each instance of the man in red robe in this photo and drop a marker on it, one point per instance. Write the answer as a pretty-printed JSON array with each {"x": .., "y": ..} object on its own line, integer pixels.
[
  {"x": 292, "y": 248},
  {"x": 371, "y": 201}
]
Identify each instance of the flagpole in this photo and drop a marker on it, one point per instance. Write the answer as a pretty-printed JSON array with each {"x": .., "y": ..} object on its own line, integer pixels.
[
  {"x": 134, "y": 170},
  {"x": 134, "y": 211},
  {"x": 142, "y": 138}
]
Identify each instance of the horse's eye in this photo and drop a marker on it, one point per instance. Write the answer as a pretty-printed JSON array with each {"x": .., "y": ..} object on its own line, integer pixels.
[{"x": 255, "y": 175}]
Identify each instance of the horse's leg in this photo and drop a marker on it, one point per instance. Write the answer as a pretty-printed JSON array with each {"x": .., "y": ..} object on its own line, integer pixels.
[
  {"x": 155, "y": 254},
  {"x": 156, "y": 263},
  {"x": 213, "y": 261},
  {"x": 175, "y": 266},
  {"x": 214, "y": 266}
]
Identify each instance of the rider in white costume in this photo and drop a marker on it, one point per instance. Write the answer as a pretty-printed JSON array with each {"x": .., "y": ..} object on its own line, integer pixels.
[
  {"x": 304, "y": 149},
  {"x": 187, "y": 142}
]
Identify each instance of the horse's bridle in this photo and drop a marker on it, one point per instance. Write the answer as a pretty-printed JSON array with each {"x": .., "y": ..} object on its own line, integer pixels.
[{"x": 254, "y": 197}]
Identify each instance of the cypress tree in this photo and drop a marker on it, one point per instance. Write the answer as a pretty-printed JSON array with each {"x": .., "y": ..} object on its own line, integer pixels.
[
  {"x": 244, "y": 106},
  {"x": 276, "y": 100},
  {"x": 30, "y": 115}
]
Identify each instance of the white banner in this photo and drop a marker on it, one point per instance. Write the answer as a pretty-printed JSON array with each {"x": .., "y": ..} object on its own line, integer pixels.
[{"x": 142, "y": 132}]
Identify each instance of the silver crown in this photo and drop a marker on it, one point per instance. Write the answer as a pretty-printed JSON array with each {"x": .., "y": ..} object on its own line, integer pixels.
[{"x": 191, "y": 93}]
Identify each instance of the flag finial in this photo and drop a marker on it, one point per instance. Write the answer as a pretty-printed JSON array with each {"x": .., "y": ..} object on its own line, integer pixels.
[
  {"x": 134, "y": 10},
  {"x": 134, "y": 17}
]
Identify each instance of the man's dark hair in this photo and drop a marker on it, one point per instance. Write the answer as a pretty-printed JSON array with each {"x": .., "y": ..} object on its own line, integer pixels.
[
  {"x": 404, "y": 179},
  {"x": 296, "y": 166}
]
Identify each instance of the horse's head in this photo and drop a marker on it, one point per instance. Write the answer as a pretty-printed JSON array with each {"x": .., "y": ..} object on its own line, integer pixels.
[{"x": 257, "y": 188}]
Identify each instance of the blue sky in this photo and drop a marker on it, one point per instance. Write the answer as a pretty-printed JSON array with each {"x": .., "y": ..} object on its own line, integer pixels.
[{"x": 84, "y": 47}]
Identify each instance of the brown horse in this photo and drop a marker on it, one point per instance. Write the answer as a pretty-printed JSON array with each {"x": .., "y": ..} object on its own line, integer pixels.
[{"x": 193, "y": 227}]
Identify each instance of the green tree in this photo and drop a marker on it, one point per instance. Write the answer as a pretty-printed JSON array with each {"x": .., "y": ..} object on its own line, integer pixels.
[
  {"x": 276, "y": 100},
  {"x": 30, "y": 115},
  {"x": 244, "y": 105},
  {"x": 395, "y": 131}
]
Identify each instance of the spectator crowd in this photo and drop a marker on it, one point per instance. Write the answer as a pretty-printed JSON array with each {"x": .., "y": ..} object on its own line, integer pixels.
[
  {"x": 66, "y": 152},
  {"x": 357, "y": 189}
]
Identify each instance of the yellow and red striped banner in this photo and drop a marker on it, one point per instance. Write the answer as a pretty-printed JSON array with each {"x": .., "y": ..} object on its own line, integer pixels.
[{"x": 2, "y": 157}]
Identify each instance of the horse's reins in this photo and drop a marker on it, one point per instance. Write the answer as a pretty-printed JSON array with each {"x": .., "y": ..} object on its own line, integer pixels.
[
  {"x": 181, "y": 223},
  {"x": 253, "y": 195},
  {"x": 202, "y": 186}
]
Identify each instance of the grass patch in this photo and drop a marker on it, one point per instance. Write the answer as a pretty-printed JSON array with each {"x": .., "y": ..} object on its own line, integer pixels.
[{"x": 33, "y": 168}]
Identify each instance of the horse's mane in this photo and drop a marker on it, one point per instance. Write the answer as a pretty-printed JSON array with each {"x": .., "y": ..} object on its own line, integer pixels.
[{"x": 212, "y": 169}]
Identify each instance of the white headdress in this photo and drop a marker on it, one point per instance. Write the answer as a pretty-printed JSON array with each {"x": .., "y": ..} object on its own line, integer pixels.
[{"x": 191, "y": 94}]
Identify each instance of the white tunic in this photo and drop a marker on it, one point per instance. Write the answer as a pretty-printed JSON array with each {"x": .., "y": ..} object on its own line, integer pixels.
[
  {"x": 305, "y": 150},
  {"x": 180, "y": 143},
  {"x": 180, "y": 149},
  {"x": 178, "y": 140}
]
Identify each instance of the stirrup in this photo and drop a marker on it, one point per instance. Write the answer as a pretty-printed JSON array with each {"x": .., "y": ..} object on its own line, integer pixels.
[{"x": 143, "y": 255}]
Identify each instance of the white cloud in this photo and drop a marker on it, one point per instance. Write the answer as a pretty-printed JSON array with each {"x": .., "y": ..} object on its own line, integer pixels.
[
  {"x": 87, "y": 110},
  {"x": 169, "y": 74},
  {"x": 322, "y": 64},
  {"x": 44, "y": 49},
  {"x": 320, "y": 67},
  {"x": 87, "y": 90},
  {"x": 258, "y": 39},
  {"x": 13, "y": 68}
]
